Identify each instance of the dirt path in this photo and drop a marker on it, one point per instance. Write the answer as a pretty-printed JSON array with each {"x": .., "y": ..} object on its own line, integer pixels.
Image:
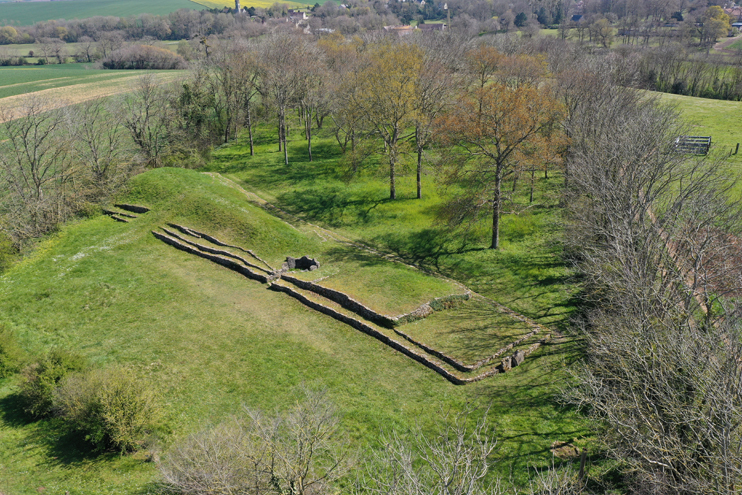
[
  {"x": 78, "y": 93},
  {"x": 723, "y": 46}
]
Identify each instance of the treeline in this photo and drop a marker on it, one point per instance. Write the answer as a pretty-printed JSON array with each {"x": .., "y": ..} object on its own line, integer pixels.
[
  {"x": 635, "y": 20},
  {"x": 656, "y": 235}
]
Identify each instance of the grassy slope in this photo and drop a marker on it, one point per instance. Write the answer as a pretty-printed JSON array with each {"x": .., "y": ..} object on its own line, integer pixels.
[
  {"x": 213, "y": 341},
  {"x": 716, "y": 118},
  {"x": 27, "y": 13}
]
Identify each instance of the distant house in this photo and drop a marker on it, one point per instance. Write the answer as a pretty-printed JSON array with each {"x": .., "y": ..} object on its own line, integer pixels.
[
  {"x": 576, "y": 18},
  {"x": 400, "y": 30},
  {"x": 431, "y": 27},
  {"x": 297, "y": 15},
  {"x": 735, "y": 13}
]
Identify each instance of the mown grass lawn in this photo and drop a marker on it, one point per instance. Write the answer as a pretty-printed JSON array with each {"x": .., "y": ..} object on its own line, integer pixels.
[{"x": 716, "y": 118}]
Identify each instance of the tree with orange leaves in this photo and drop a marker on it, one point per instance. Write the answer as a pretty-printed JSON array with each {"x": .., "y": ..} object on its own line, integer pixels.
[{"x": 490, "y": 131}]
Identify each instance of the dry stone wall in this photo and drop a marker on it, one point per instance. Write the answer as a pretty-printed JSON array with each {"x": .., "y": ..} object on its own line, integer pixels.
[
  {"x": 216, "y": 241},
  {"x": 219, "y": 252},
  {"x": 369, "y": 330},
  {"x": 367, "y": 313},
  {"x": 455, "y": 363},
  {"x": 132, "y": 208},
  {"x": 224, "y": 261}
]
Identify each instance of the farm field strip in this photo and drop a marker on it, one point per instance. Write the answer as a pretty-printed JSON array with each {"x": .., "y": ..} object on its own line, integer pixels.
[
  {"x": 79, "y": 93},
  {"x": 28, "y": 13},
  {"x": 263, "y": 4}
]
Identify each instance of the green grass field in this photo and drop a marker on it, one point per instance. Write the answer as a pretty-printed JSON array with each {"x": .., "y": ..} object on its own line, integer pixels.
[
  {"x": 213, "y": 340},
  {"x": 527, "y": 273},
  {"x": 469, "y": 332},
  {"x": 28, "y": 13},
  {"x": 716, "y": 118}
]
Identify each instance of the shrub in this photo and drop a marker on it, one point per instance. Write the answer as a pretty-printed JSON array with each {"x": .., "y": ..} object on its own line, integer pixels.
[
  {"x": 143, "y": 57},
  {"x": 297, "y": 452},
  {"x": 8, "y": 252},
  {"x": 113, "y": 408},
  {"x": 11, "y": 354},
  {"x": 41, "y": 378}
]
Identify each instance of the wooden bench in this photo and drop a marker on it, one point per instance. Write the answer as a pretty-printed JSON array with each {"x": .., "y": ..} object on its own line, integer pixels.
[{"x": 693, "y": 145}]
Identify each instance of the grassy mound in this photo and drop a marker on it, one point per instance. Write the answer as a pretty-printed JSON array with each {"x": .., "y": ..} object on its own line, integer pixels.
[{"x": 212, "y": 341}]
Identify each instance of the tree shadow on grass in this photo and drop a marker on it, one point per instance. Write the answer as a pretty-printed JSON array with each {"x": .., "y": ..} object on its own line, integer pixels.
[
  {"x": 471, "y": 331},
  {"x": 426, "y": 247},
  {"x": 12, "y": 413},
  {"x": 332, "y": 205},
  {"x": 354, "y": 255},
  {"x": 531, "y": 395},
  {"x": 62, "y": 445}
]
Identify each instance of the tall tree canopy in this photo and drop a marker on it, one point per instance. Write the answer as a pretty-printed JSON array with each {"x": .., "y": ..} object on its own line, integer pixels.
[{"x": 491, "y": 130}]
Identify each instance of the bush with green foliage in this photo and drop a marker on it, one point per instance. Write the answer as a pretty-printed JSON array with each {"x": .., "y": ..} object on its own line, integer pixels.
[
  {"x": 41, "y": 378},
  {"x": 113, "y": 408},
  {"x": 11, "y": 354}
]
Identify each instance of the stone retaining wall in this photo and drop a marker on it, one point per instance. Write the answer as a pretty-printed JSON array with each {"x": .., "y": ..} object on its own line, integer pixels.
[
  {"x": 225, "y": 262},
  {"x": 342, "y": 299},
  {"x": 118, "y": 213},
  {"x": 219, "y": 252},
  {"x": 223, "y": 258},
  {"x": 368, "y": 330},
  {"x": 216, "y": 241},
  {"x": 119, "y": 219},
  {"x": 132, "y": 208},
  {"x": 365, "y": 312},
  {"x": 455, "y": 363}
]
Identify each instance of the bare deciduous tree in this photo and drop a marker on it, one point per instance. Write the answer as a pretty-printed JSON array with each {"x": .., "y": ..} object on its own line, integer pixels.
[
  {"x": 656, "y": 234},
  {"x": 294, "y": 453},
  {"x": 145, "y": 116},
  {"x": 99, "y": 146},
  {"x": 36, "y": 167},
  {"x": 453, "y": 460}
]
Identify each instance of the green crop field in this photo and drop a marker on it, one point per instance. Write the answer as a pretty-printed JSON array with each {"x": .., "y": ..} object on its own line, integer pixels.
[
  {"x": 263, "y": 4},
  {"x": 214, "y": 340},
  {"x": 27, "y": 13},
  {"x": 20, "y": 80}
]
